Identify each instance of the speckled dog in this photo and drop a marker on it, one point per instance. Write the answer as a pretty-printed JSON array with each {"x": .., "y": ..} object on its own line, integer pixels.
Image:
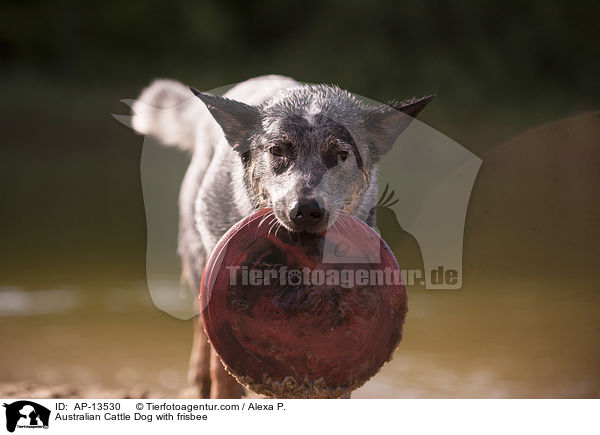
[{"x": 306, "y": 151}]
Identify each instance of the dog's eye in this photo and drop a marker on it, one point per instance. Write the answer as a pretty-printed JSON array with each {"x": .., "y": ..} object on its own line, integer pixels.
[
  {"x": 276, "y": 151},
  {"x": 343, "y": 155}
]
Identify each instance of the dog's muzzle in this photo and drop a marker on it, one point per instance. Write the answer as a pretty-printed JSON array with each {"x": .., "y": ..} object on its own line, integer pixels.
[{"x": 308, "y": 215}]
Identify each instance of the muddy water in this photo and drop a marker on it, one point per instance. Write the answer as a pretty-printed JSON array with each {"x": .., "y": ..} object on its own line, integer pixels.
[{"x": 458, "y": 344}]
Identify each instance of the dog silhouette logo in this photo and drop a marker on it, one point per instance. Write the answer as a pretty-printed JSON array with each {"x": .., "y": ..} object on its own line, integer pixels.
[
  {"x": 26, "y": 414},
  {"x": 404, "y": 245}
]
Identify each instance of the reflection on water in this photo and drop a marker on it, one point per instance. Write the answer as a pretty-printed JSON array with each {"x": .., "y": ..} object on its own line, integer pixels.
[
  {"x": 520, "y": 343},
  {"x": 16, "y": 302}
]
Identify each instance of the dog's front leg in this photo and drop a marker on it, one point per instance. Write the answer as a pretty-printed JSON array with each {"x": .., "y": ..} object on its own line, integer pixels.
[
  {"x": 199, "y": 371},
  {"x": 223, "y": 385}
]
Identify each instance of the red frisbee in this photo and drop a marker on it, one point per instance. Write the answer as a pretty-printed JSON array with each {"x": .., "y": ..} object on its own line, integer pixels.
[{"x": 296, "y": 315}]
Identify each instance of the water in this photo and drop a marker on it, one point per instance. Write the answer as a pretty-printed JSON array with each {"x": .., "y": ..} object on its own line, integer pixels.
[{"x": 457, "y": 344}]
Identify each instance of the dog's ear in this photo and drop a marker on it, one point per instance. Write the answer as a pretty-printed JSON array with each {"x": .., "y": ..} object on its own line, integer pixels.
[
  {"x": 385, "y": 123},
  {"x": 238, "y": 120}
]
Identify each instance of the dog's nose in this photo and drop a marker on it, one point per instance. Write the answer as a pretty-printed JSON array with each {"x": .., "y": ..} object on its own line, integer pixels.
[{"x": 307, "y": 213}]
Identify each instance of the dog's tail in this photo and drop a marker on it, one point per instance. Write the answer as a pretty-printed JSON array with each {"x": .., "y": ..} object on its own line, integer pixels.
[{"x": 169, "y": 111}]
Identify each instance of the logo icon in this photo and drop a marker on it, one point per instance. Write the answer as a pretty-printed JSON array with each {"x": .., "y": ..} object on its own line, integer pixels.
[{"x": 26, "y": 414}]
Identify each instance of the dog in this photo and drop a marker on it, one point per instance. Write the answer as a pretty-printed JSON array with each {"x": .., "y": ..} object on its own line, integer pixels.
[{"x": 306, "y": 151}]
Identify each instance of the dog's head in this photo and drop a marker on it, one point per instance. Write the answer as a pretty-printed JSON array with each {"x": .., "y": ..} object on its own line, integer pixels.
[{"x": 310, "y": 151}]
